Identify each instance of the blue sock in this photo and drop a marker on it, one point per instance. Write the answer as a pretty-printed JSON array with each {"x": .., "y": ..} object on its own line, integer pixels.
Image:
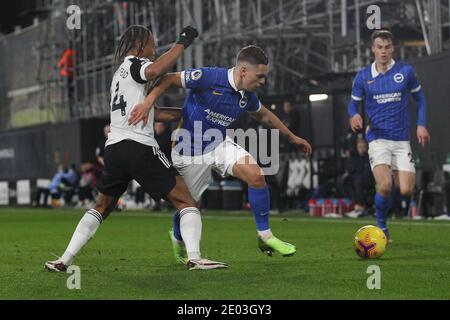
[
  {"x": 176, "y": 226},
  {"x": 260, "y": 203},
  {"x": 382, "y": 207}
]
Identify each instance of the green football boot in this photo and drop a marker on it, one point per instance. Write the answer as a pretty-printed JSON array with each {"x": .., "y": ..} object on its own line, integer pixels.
[
  {"x": 179, "y": 250},
  {"x": 274, "y": 244}
]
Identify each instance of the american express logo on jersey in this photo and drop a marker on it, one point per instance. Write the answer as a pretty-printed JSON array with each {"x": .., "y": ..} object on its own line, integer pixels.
[
  {"x": 388, "y": 97},
  {"x": 219, "y": 118}
]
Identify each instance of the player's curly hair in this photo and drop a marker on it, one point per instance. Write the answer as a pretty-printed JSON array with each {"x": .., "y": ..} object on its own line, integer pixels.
[{"x": 135, "y": 36}]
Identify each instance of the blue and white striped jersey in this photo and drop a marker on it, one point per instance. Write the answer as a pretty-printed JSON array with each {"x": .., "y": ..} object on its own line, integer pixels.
[
  {"x": 212, "y": 103},
  {"x": 386, "y": 98}
]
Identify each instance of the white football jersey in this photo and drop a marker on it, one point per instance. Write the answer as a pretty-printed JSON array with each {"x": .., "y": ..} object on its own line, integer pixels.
[{"x": 128, "y": 88}]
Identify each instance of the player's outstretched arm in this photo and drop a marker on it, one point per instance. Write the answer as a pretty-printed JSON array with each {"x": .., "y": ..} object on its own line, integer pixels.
[
  {"x": 266, "y": 117},
  {"x": 164, "y": 63},
  {"x": 141, "y": 110}
]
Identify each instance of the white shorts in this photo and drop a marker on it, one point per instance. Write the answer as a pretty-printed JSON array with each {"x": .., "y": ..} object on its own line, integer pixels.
[
  {"x": 396, "y": 154},
  {"x": 196, "y": 170}
]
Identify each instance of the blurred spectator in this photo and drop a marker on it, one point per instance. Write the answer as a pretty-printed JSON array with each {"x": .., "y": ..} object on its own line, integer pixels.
[
  {"x": 66, "y": 68},
  {"x": 348, "y": 143},
  {"x": 291, "y": 119},
  {"x": 54, "y": 183},
  {"x": 100, "y": 150},
  {"x": 63, "y": 184},
  {"x": 69, "y": 183},
  {"x": 86, "y": 186},
  {"x": 66, "y": 63},
  {"x": 278, "y": 182},
  {"x": 434, "y": 196},
  {"x": 359, "y": 179}
]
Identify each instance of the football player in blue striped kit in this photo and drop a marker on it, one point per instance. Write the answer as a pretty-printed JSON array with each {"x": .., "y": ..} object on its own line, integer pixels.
[
  {"x": 385, "y": 87},
  {"x": 217, "y": 98}
]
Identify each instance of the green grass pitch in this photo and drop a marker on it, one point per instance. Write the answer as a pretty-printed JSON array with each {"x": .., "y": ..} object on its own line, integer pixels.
[{"x": 130, "y": 257}]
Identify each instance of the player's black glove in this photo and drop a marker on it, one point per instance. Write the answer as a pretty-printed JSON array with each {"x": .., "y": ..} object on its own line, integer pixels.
[{"x": 187, "y": 35}]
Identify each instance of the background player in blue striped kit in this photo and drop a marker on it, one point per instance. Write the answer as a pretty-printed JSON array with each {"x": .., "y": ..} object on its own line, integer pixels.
[{"x": 385, "y": 86}]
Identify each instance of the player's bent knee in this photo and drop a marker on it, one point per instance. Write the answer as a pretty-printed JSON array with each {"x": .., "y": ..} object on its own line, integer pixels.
[
  {"x": 406, "y": 191},
  {"x": 256, "y": 181},
  {"x": 186, "y": 203},
  {"x": 384, "y": 188},
  {"x": 181, "y": 199}
]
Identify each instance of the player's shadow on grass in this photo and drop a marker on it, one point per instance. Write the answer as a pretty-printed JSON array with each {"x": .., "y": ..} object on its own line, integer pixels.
[{"x": 175, "y": 281}]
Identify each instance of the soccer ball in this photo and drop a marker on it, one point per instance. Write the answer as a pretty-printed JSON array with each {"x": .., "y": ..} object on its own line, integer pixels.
[{"x": 370, "y": 242}]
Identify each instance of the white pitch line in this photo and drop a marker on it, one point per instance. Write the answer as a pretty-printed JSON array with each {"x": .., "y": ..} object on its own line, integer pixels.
[
  {"x": 320, "y": 220},
  {"x": 341, "y": 220},
  {"x": 390, "y": 222}
]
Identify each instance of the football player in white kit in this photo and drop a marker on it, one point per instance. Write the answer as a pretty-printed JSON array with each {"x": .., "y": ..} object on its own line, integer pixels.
[{"x": 132, "y": 152}]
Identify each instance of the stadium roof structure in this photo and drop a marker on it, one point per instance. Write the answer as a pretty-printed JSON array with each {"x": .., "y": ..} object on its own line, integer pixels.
[{"x": 303, "y": 39}]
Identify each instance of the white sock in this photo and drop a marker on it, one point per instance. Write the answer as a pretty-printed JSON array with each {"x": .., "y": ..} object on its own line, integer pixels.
[
  {"x": 86, "y": 228},
  {"x": 191, "y": 231},
  {"x": 265, "y": 234}
]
